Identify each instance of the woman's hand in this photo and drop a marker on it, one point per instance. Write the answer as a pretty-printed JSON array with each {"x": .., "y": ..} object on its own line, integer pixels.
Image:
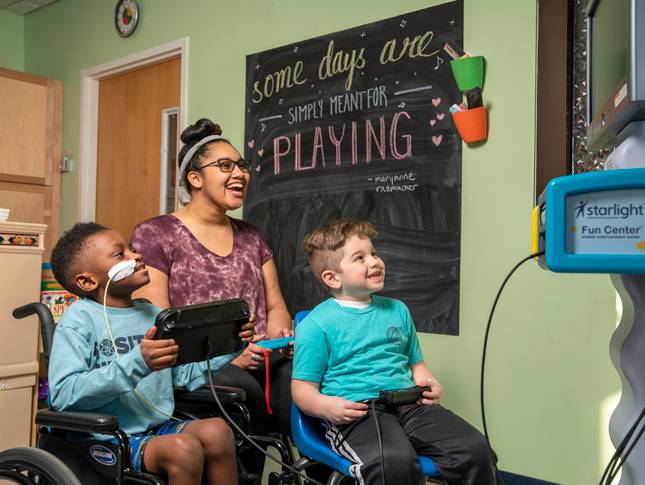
[
  {"x": 252, "y": 357},
  {"x": 248, "y": 330},
  {"x": 287, "y": 353},
  {"x": 434, "y": 395}
]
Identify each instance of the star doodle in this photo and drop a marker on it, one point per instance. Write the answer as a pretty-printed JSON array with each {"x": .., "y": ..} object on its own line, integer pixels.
[
  {"x": 452, "y": 22},
  {"x": 257, "y": 67},
  {"x": 403, "y": 22},
  {"x": 363, "y": 34},
  {"x": 280, "y": 102},
  {"x": 640, "y": 245},
  {"x": 295, "y": 49}
]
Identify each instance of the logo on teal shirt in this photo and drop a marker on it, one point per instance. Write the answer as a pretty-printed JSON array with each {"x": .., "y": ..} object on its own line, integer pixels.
[{"x": 393, "y": 336}]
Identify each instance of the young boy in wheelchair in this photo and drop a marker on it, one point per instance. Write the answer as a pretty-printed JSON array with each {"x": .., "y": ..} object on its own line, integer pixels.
[
  {"x": 356, "y": 344},
  {"x": 104, "y": 359}
]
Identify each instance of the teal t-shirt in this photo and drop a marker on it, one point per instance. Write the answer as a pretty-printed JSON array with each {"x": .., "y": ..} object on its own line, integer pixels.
[{"x": 355, "y": 353}]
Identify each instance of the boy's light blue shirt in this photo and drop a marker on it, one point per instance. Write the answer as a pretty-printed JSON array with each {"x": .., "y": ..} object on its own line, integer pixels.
[
  {"x": 355, "y": 353},
  {"x": 85, "y": 374}
]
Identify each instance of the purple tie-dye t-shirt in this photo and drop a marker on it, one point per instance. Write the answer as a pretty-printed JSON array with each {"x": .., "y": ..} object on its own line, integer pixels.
[{"x": 197, "y": 275}]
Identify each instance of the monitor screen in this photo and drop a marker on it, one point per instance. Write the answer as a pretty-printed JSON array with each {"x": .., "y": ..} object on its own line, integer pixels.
[{"x": 609, "y": 43}]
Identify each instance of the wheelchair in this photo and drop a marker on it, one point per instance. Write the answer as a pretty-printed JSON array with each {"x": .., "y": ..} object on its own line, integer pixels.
[{"x": 58, "y": 461}]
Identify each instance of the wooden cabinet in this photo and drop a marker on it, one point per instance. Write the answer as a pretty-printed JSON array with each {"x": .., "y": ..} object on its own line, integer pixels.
[
  {"x": 31, "y": 127},
  {"x": 21, "y": 253}
]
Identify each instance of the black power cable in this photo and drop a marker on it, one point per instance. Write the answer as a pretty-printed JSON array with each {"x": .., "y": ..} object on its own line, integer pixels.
[
  {"x": 619, "y": 457},
  {"x": 481, "y": 388},
  {"x": 618, "y": 460},
  {"x": 237, "y": 428}
]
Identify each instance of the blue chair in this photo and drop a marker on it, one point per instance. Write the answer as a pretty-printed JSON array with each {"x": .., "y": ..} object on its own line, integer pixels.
[{"x": 309, "y": 435}]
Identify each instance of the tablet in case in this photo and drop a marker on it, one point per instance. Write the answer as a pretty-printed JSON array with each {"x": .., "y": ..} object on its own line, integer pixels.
[{"x": 191, "y": 326}]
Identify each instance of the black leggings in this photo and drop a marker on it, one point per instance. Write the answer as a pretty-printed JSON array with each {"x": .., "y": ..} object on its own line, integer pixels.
[{"x": 253, "y": 382}]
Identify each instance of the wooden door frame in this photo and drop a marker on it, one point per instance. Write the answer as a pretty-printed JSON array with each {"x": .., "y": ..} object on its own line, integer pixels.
[{"x": 89, "y": 123}]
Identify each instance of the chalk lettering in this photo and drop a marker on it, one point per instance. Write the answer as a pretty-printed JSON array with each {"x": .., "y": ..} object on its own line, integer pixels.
[
  {"x": 419, "y": 43},
  {"x": 392, "y": 179},
  {"x": 306, "y": 112},
  {"x": 372, "y": 137},
  {"x": 351, "y": 102},
  {"x": 318, "y": 145},
  {"x": 336, "y": 142},
  {"x": 273, "y": 83},
  {"x": 408, "y": 138},
  {"x": 334, "y": 63},
  {"x": 397, "y": 188},
  {"x": 277, "y": 153},
  {"x": 369, "y": 134}
]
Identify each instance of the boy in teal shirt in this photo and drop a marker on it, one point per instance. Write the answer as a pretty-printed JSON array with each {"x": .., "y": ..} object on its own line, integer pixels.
[
  {"x": 356, "y": 344},
  {"x": 121, "y": 370}
]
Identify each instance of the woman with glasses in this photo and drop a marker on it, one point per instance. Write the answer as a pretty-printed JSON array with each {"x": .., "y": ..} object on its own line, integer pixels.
[{"x": 199, "y": 254}]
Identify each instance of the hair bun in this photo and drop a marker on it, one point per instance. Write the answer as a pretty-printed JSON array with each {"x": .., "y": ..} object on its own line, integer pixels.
[{"x": 200, "y": 130}]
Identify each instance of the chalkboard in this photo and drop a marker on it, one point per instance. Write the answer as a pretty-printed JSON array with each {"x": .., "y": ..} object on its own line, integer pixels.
[{"x": 356, "y": 124}]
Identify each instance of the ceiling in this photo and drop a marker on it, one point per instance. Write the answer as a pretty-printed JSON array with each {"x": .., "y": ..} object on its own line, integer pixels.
[{"x": 23, "y": 7}]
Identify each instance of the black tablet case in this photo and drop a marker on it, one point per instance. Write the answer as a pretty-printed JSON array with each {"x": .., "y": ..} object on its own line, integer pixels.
[{"x": 191, "y": 325}]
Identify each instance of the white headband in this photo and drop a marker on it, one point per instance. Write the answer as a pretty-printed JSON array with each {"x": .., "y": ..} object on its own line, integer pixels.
[{"x": 192, "y": 151}]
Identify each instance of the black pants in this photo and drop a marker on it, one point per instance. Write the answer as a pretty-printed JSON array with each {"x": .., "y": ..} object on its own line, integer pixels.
[
  {"x": 457, "y": 449},
  {"x": 253, "y": 383}
]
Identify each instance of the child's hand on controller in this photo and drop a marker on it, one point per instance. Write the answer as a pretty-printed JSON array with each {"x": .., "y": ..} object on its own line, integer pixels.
[
  {"x": 248, "y": 329},
  {"x": 434, "y": 395},
  {"x": 158, "y": 354},
  {"x": 341, "y": 411}
]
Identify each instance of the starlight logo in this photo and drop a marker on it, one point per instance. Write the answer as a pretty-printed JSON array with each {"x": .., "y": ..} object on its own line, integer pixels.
[{"x": 612, "y": 211}]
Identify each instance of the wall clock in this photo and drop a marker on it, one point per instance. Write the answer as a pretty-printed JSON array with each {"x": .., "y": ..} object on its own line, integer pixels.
[{"x": 126, "y": 17}]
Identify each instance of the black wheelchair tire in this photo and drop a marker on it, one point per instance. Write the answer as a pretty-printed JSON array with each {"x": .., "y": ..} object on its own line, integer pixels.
[{"x": 38, "y": 464}]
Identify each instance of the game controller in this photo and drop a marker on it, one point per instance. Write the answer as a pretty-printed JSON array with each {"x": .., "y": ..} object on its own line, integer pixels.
[
  {"x": 276, "y": 344},
  {"x": 399, "y": 397}
]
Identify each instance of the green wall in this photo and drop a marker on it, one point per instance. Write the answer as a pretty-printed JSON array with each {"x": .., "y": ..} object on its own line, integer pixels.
[
  {"x": 549, "y": 379},
  {"x": 12, "y": 41}
]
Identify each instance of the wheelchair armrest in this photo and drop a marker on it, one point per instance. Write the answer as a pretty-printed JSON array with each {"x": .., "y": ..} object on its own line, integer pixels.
[
  {"x": 204, "y": 394},
  {"x": 77, "y": 421},
  {"x": 36, "y": 308}
]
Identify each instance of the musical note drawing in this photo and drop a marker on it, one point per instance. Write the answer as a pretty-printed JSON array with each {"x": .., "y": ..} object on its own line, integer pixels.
[
  {"x": 295, "y": 49},
  {"x": 403, "y": 22},
  {"x": 263, "y": 126},
  {"x": 439, "y": 62},
  {"x": 402, "y": 105}
]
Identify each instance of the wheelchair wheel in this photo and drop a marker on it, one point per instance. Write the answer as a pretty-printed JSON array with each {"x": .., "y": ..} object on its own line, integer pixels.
[{"x": 39, "y": 466}]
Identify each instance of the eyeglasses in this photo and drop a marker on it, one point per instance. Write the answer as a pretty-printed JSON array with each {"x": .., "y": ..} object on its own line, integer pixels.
[{"x": 228, "y": 165}]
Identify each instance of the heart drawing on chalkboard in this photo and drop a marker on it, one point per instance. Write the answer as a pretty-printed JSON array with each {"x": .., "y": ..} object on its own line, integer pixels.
[
  {"x": 251, "y": 143},
  {"x": 441, "y": 116},
  {"x": 261, "y": 151},
  {"x": 437, "y": 139},
  {"x": 432, "y": 122},
  {"x": 436, "y": 101}
]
